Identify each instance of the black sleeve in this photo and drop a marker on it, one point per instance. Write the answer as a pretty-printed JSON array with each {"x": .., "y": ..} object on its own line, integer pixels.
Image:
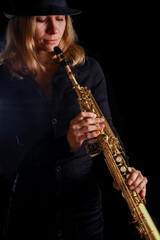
[{"x": 99, "y": 91}]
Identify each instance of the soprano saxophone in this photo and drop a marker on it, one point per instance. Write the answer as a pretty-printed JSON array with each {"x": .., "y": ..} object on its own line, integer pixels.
[{"x": 114, "y": 155}]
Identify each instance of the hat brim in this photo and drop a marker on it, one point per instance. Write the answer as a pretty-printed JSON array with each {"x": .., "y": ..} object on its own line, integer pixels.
[{"x": 42, "y": 11}]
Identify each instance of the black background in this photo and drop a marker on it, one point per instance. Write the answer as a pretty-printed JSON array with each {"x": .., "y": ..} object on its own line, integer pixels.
[{"x": 123, "y": 37}]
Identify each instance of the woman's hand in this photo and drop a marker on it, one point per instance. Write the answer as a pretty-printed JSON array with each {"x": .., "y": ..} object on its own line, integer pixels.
[
  {"x": 83, "y": 127},
  {"x": 136, "y": 182}
]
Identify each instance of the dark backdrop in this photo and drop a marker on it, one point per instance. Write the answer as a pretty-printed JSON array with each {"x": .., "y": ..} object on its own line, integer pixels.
[{"x": 124, "y": 39}]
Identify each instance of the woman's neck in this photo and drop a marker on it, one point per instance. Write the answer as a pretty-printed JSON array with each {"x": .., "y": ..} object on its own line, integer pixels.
[
  {"x": 45, "y": 77},
  {"x": 44, "y": 57}
]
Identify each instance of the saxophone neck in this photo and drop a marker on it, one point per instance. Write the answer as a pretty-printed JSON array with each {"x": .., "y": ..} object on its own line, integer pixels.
[
  {"x": 65, "y": 63},
  {"x": 72, "y": 77}
]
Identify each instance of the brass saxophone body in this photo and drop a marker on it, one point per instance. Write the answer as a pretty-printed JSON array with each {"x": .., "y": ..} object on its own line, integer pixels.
[{"x": 114, "y": 155}]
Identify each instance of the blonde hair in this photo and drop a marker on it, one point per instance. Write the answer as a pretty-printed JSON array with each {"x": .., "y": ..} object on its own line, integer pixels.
[{"x": 20, "y": 53}]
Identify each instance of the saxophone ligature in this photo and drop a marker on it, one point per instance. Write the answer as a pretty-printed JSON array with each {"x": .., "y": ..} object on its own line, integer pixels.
[{"x": 109, "y": 145}]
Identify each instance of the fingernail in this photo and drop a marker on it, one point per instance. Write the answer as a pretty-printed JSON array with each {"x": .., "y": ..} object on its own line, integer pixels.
[
  {"x": 102, "y": 119},
  {"x": 131, "y": 187},
  {"x": 130, "y": 182},
  {"x": 138, "y": 190}
]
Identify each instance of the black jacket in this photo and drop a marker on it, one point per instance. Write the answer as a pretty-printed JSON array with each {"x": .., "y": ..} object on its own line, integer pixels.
[{"x": 55, "y": 192}]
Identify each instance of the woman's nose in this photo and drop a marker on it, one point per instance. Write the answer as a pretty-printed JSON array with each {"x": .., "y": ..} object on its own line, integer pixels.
[{"x": 52, "y": 28}]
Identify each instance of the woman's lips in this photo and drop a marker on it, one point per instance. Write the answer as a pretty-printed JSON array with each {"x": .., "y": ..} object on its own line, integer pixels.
[{"x": 53, "y": 41}]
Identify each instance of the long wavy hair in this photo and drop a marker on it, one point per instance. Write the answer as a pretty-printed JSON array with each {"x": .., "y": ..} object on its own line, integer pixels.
[{"x": 20, "y": 53}]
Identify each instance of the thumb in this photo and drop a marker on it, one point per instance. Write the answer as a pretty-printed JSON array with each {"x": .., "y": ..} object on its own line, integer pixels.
[{"x": 115, "y": 185}]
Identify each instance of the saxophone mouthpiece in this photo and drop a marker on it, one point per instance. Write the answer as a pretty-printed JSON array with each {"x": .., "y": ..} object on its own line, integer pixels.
[
  {"x": 63, "y": 61},
  {"x": 57, "y": 50}
]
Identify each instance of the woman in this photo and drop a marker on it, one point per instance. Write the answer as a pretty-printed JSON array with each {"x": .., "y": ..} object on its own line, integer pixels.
[{"x": 56, "y": 193}]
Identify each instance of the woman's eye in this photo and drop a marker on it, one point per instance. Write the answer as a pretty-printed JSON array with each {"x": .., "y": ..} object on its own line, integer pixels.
[
  {"x": 41, "y": 20},
  {"x": 60, "y": 19},
  {"x": 44, "y": 19}
]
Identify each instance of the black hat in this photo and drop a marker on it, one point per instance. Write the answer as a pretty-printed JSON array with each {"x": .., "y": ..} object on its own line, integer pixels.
[{"x": 38, "y": 8}]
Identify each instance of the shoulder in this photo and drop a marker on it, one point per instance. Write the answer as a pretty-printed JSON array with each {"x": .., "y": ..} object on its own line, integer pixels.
[
  {"x": 90, "y": 74},
  {"x": 2, "y": 68},
  {"x": 90, "y": 64},
  {"x": 4, "y": 74},
  {"x": 91, "y": 67}
]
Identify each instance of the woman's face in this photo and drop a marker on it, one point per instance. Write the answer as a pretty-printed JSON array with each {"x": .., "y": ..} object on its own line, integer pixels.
[{"x": 48, "y": 32}]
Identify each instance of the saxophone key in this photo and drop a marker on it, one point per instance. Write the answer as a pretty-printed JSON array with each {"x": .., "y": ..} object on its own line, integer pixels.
[
  {"x": 93, "y": 148},
  {"x": 127, "y": 176},
  {"x": 123, "y": 169},
  {"x": 129, "y": 169},
  {"x": 118, "y": 159}
]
